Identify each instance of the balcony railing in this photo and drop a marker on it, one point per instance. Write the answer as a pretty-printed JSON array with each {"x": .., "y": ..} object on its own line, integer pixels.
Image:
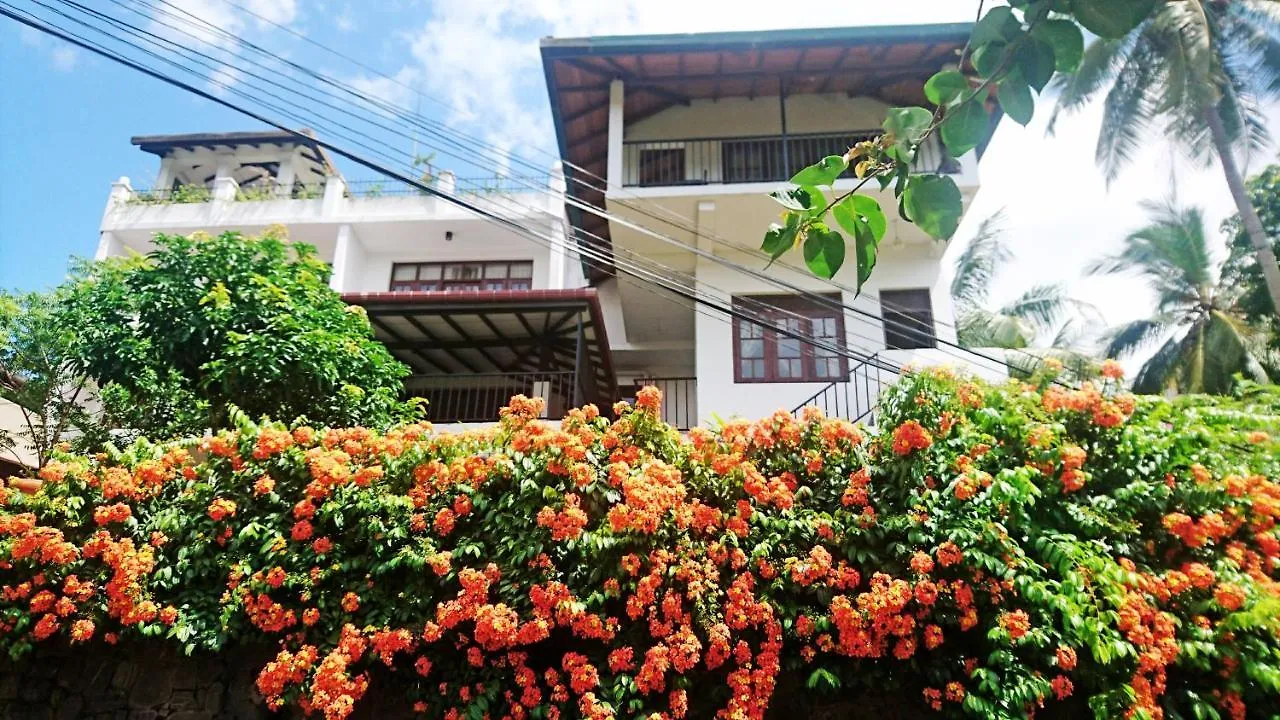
[
  {"x": 762, "y": 158},
  {"x": 496, "y": 185},
  {"x": 679, "y": 399},
  {"x": 856, "y": 397},
  {"x": 479, "y": 397}
]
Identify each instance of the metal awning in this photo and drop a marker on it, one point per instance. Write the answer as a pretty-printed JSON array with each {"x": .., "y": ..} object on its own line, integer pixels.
[{"x": 458, "y": 334}]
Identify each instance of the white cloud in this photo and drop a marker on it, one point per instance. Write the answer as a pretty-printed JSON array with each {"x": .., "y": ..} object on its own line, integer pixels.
[
  {"x": 344, "y": 22},
  {"x": 62, "y": 56},
  {"x": 213, "y": 27}
]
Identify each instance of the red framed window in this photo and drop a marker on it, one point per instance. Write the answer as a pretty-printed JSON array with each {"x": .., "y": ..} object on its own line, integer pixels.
[
  {"x": 462, "y": 276},
  {"x": 763, "y": 354}
]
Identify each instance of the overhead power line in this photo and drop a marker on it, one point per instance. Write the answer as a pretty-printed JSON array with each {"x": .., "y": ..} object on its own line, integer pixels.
[{"x": 56, "y": 31}]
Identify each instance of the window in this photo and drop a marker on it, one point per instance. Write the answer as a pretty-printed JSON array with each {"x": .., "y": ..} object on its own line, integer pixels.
[
  {"x": 462, "y": 276},
  {"x": 908, "y": 319},
  {"x": 762, "y": 353},
  {"x": 751, "y": 160},
  {"x": 662, "y": 166}
]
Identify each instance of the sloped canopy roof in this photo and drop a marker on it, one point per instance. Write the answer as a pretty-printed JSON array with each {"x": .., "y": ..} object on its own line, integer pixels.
[
  {"x": 659, "y": 71},
  {"x": 164, "y": 145},
  {"x": 502, "y": 331}
]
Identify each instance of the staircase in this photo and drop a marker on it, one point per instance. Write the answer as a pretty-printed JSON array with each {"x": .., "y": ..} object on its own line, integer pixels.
[{"x": 856, "y": 397}]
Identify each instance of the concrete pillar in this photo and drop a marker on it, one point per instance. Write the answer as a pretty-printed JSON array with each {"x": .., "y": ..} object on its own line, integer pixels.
[
  {"x": 165, "y": 179},
  {"x": 446, "y": 181},
  {"x": 224, "y": 189},
  {"x": 335, "y": 194},
  {"x": 108, "y": 246},
  {"x": 559, "y": 252},
  {"x": 121, "y": 191},
  {"x": 617, "y": 96},
  {"x": 286, "y": 173},
  {"x": 348, "y": 256},
  {"x": 225, "y": 166}
]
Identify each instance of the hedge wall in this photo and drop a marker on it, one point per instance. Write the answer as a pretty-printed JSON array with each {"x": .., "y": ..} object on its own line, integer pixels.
[{"x": 990, "y": 551}]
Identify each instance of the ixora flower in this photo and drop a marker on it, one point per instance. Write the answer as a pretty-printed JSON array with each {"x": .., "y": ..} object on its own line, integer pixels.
[{"x": 527, "y": 570}]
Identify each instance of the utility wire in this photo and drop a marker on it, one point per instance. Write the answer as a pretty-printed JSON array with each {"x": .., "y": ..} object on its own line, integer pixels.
[
  {"x": 666, "y": 270},
  {"x": 39, "y": 24}
]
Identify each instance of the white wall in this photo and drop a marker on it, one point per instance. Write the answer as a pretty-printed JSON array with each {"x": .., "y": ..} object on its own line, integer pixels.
[
  {"x": 730, "y": 117},
  {"x": 905, "y": 267}
]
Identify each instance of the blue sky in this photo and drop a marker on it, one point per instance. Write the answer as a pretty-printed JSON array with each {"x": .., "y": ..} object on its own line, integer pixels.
[{"x": 68, "y": 117}]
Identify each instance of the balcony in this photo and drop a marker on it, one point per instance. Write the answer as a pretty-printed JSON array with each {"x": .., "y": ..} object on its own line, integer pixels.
[
  {"x": 477, "y": 398},
  {"x": 761, "y": 158}
]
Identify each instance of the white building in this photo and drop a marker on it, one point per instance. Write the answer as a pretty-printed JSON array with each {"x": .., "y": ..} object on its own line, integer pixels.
[{"x": 678, "y": 139}]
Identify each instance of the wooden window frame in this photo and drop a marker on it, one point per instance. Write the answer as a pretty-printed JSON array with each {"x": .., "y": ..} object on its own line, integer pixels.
[
  {"x": 773, "y": 308},
  {"x": 890, "y": 309},
  {"x": 418, "y": 284}
]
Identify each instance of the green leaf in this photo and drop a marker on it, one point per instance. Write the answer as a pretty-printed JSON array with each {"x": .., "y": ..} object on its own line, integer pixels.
[
  {"x": 858, "y": 211},
  {"x": 907, "y": 125},
  {"x": 945, "y": 87},
  {"x": 965, "y": 127},
  {"x": 781, "y": 238},
  {"x": 1036, "y": 63},
  {"x": 823, "y": 251},
  {"x": 998, "y": 25},
  {"x": 1066, "y": 40},
  {"x": 1015, "y": 99},
  {"x": 804, "y": 199},
  {"x": 866, "y": 247},
  {"x": 987, "y": 59},
  {"x": 824, "y": 172},
  {"x": 934, "y": 204},
  {"x": 1111, "y": 18}
]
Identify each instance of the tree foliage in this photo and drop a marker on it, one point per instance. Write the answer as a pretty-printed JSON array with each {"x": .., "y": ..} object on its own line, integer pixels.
[
  {"x": 989, "y": 551},
  {"x": 1013, "y": 51},
  {"x": 38, "y": 376},
  {"x": 1242, "y": 268},
  {"x": 201, "y": 323},
  {"x": 1205, "y": 338}
]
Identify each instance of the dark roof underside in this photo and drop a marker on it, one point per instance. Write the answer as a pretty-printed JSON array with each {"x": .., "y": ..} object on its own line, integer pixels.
[
  {"x": 507, "y": 331},
  {"x": 890, "y": 63},
  {"x": 162, "y": 145}
]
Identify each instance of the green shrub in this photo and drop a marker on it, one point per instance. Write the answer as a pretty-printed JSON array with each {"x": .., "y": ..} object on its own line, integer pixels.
[{"x": 988, "y": 551}]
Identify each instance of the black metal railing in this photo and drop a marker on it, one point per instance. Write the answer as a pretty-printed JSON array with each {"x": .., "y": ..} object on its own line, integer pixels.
[
  {"x": 479, "y": 186},
  {"x": 760, "y": 158},
  {"x": 856, "y": 397},
  {"x": 479, "y": 397},
  {"x": 679, "y": 399}
]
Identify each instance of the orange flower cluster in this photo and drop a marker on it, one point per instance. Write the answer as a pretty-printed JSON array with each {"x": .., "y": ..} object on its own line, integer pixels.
[
  {"x": 910, "y": 436},
  {"x": 716, "y": 563}
]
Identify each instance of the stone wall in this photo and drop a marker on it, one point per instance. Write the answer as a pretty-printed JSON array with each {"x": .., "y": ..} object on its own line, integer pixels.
[
  {"x": 155, "y": 682},
  {"x": 130, "y": 683}
]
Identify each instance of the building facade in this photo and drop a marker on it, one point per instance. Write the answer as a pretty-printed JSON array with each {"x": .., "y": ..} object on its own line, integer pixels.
[{"x": 669, "y": 146}]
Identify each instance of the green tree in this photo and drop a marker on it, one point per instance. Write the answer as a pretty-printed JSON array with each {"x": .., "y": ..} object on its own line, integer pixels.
[
  {"x": 1200, "y": 70},
  {"x": 37, "y": 375},
  {"x": 1242, "y": 266},
  {"x": 1014, "y": 51},
  {"x": 1038, "y": 324},
  {"x": 1206, "y": 339},
  {"x": 176, "y": 337}
]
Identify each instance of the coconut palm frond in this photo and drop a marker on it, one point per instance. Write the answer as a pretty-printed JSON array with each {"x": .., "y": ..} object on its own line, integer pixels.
[
  {"x": 977, "y": 266},
  {"x": 1233, "y": 351},
  {"x": 1129, "y": 108},
  {"x": 1161, "y": 369},
  {"x": 1131, "y": 337},
  {"x": 982, "y": 328},
  {"x": 1102, "y": 60},
  {"x": 1172, "y": 250},
  {"x": 1042, "y": 306}
]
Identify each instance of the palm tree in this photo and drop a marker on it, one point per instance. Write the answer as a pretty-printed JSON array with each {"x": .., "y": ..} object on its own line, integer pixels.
[
  {"x": 1017, "y": 324},
  {"x": 1206, "y": 339},
  {"x": 1201, "y": 69}
]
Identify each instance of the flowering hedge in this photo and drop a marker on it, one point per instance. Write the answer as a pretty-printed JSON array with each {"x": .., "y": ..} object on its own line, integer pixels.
[{"x": 990, "y": 551}]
